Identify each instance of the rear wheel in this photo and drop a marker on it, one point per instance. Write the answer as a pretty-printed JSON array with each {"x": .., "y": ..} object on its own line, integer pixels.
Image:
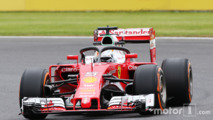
[
  {"x": 32, "y": 85},
  {"x": 178, "y": 75},
  {"x": 149, "y": 79}
]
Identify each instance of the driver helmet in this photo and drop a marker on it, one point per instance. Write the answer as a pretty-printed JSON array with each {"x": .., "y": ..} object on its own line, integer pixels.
[{"x": 107, "y": 56}]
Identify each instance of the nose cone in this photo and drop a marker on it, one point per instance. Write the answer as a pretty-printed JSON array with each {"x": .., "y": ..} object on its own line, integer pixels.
[
  {"x": 86, "y": 103},
  {"x": 90, "y": 83}
]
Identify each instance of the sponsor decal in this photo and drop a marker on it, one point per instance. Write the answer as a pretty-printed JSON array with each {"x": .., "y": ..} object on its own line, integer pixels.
[
  {"x": 131, "y": 67},
  {"x": 90, "y": 79},
  {"x": 85, "y": 95},
  {"x": 88, "y": 85},
  {"x": 91, "y": 73},
  {"x": 152, "y": 37},
  {"x": 127, "y": 32},
  {"x": 152, "y": 44},
  {"x": 119, "y": 71},
  {"x": 112, "y": 69},
  {"x": 84, "y": 92},
  {"x": 68, "y": 69},
  {"x": 49, "y": 104},
  {"x": 87, "y": 90}
]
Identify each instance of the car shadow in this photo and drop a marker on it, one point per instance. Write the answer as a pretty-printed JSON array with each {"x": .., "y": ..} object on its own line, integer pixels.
[{"x": 88, "y": 116}]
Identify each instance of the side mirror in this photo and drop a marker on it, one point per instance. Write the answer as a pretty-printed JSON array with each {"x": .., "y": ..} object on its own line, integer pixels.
[
  {"x": 72, "y": 57},
  {"x": 131, "y": 56}
]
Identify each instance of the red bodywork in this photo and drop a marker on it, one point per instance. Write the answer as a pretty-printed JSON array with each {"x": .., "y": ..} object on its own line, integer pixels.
[{"x": 90, "y": 80}]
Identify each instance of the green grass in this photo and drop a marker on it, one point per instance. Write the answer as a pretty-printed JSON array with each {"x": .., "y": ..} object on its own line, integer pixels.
[{"x": 83, "y": 23}]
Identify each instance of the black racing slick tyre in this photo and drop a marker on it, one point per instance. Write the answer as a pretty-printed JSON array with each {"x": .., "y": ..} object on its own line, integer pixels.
[
  {"x": 178, "y": 75},
  {"x": 32, "y": 85},
  {"x": 149, "y": 79}
]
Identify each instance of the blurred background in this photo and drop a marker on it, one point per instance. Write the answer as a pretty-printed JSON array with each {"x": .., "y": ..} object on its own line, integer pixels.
[{"x": 81, "y": 17}]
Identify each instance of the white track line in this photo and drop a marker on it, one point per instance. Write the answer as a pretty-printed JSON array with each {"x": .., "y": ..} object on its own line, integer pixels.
[
  {"x": 86, "y": 37},
  {"x": 189, "y": 38},
  {"x": 66, "y": 37}
]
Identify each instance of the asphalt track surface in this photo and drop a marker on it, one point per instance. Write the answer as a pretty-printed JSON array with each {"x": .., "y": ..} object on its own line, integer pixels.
[{"x": 17, "y": 54}]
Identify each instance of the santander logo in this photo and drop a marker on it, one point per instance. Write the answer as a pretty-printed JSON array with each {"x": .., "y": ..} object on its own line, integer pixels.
[{"x": 127, "y": 32}]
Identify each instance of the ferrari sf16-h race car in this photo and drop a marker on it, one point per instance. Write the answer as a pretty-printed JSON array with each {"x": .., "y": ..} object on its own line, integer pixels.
[{"x": 107, "y": 78}]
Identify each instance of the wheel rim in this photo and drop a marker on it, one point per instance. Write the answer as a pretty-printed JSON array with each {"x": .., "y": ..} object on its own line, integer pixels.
[
  {"x": 190, "y": 82},
  {"x": 162, "y": 89},
  {"x": 46, "y": 81}
]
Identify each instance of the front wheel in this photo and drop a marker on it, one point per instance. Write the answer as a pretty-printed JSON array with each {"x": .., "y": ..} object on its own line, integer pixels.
[
  {"x": 178, "y": 75},
  {"x": 149, "y": 79},
  {"x": 32, "y": 85}
]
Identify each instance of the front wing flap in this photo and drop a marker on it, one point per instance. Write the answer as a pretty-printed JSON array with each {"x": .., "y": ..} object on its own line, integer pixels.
[{"x": 57, "y": 105}]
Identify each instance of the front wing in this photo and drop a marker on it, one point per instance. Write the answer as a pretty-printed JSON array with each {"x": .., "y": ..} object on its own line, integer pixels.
[{"x": 116, "y": 104}]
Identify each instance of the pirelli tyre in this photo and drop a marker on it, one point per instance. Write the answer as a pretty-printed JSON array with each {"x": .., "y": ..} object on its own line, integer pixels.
[
  {"x": 178, "y": 75},
  {"x": 149, "y": 79},
  {"x": 32, "y": 85}
]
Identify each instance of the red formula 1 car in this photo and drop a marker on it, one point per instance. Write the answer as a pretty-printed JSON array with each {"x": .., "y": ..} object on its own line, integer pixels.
[{"x": 107, "y": 78}]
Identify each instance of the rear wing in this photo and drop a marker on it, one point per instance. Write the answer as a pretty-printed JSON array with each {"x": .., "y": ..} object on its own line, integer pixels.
[
  {"x": 138, "y": 35},
  {"x": 131, "y": 35}
]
